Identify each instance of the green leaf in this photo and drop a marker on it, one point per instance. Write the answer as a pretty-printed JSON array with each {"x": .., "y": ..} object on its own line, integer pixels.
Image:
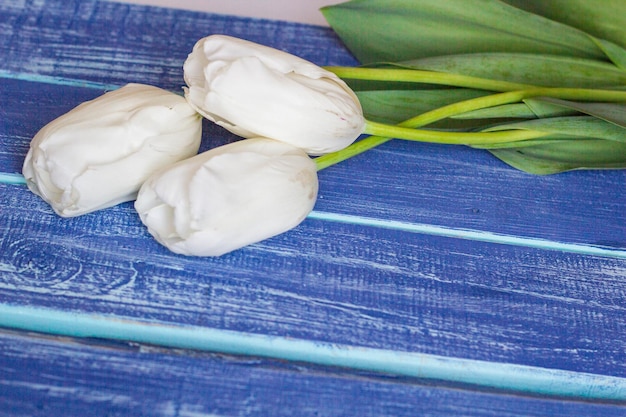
[
  {"x": 401, "y": 30},
  {"x": 565, "y": 155},
  {"x": 535, "y": 69},
  {"x": 395, "y": 106},
  {"x": 601, "y": 18},
  {"x": 542, "y": 108},
  {"x": 556, "y": 43},
  {"x": 614, "y": 52},
  {"x": 515, "y": 111},
  {"x": 580, "y": 142},
  {"x": 529, "y": 109},
  {"x": 611, "y": 112},
  {"x": 575, "y": 126}
]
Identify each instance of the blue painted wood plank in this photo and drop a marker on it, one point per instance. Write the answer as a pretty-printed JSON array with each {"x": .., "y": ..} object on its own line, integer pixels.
[
  {"x": 120, "y": 379},
  {"x": 330, "y": 282},
  {"x": 453, "y": 187},
  {"x": 339, "y": 282},
  {"x": 465, "y": 188},
  {"x": 479, "y": 374},
  {"x": 111, "y": 42}
]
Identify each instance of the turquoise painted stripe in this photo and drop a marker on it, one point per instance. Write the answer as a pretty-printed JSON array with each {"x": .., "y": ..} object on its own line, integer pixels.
[
  {"x": 470, "y": 234},
  {"x": 527, "y": 379},
  {"x": 48, "y": 79},
  {"x": 13, "y": 179},
  {"x": 70, "y": 82},
  {"x": 428, "y": 229}
]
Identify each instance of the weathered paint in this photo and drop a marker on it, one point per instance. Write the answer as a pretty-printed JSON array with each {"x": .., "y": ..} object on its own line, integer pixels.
[{"x": 420, "y": 250}]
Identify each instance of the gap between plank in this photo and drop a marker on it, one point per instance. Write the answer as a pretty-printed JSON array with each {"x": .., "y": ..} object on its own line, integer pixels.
[
  {"x": 428, "y": 229},
  {"x": 503, "y": 376}
]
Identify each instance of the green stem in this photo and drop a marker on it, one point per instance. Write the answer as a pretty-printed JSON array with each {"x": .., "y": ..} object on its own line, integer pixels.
[
  {"x": 382, "y": 132},
  {"x": 580, "y": 94},
  {"x": 356, "y": 148},
  {"x": 451, "y": 138},
  {"x": 425, "y": 77}
]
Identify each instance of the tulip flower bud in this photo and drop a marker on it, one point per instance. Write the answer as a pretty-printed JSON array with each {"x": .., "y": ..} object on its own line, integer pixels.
[
  {"x": 98, "y": 154},
  {"x": 254, "y": 90},
  {"x": 229, "y": 197}
]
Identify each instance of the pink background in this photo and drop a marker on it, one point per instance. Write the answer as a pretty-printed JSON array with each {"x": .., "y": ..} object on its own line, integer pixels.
[{"x": 304, "y": 11}]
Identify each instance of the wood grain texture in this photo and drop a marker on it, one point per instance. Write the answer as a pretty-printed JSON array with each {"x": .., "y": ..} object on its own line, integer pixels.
[
  {"x": 112, "y": 42},
  {"x": 329, "y": 282},
  {"x": 118, "y": 379},
  {"x": 348, "y": 283},
  {"x": 466, "y": 188},
  {"x": 455, "y": 187}
]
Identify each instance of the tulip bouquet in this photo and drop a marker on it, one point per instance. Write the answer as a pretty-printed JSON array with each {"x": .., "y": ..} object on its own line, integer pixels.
[
  {"x": 548, "y": 104},
  {"x": 546, "y": 78}
]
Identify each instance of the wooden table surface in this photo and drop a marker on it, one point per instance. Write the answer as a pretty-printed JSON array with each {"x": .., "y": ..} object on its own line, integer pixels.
[{"x": 429, "y": 280}]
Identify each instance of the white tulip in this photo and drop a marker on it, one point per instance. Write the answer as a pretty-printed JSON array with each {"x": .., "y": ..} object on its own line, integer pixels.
[
  {"x": 254, "y": 90},
  {"x": 229, "y": 197},
  {"x": 98, "y": 154}
]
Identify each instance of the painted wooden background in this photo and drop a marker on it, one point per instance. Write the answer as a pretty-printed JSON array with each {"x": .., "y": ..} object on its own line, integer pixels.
[{"x": 443, "y": 259}]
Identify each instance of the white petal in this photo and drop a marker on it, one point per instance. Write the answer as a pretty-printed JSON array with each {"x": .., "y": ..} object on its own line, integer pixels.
[
  {"x": 229, "y": 197},
  {"x": 98, "y": 154},
  {"x": 253, "y": 90}
]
